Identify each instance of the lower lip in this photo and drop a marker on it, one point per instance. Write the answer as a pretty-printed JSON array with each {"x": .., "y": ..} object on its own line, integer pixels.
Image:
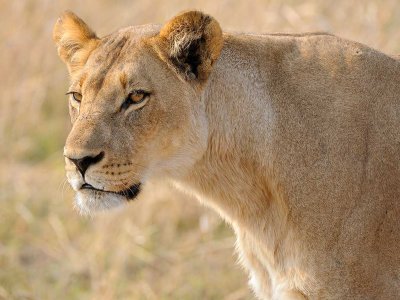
[{"x": 129, "y": 194}]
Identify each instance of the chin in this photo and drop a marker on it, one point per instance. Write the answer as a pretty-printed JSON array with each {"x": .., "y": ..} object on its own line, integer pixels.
[{"x": 90, "y": 202}]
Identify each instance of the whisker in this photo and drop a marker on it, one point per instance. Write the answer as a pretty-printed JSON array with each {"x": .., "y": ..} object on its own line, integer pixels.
[
  {"x": 65, "y": 185},
  {"x": 127, "y": 190},
  {"x": 61, "y": 185}
]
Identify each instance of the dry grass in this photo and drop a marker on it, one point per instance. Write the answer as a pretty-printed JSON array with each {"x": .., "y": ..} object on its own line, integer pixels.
[{"x": 164, "y": 246}]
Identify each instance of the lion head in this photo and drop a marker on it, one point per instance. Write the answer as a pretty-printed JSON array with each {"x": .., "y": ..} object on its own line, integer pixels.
[{"x": 135, "y": 102}]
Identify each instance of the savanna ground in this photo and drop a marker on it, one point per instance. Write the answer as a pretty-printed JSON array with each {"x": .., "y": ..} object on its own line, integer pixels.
[{"x": 165, "y": 245}]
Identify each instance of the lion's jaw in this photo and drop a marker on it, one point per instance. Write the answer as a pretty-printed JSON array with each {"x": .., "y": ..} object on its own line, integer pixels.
[{"x": 88, "y": 200}]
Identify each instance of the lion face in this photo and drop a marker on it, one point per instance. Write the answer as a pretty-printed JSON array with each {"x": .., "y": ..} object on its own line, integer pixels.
[{"x": 135, "y": 105}]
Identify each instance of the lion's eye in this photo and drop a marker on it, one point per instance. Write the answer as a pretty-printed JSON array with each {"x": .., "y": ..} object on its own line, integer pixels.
[
  {"x": 136, "y": 98},
  {"x": 76, "y": 96}
]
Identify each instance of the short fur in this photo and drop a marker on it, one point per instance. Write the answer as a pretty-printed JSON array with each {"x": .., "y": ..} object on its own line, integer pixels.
[{"x": 294, "y": 139}]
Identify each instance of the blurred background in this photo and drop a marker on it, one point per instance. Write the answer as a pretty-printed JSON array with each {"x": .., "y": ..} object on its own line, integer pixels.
[{"x": 165, "y": 245}]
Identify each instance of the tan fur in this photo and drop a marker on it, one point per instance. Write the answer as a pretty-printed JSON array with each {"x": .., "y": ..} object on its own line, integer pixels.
[
  {"x": 293, "y": 139},
  {"x": 177, "y": 35},
  {"x": 75, "y": 40}
]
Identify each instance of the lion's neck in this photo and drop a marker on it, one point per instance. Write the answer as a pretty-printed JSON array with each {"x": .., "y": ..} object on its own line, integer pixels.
[
  {"x": 235, "y": 176},
  {"x": 227, "y": 182}
]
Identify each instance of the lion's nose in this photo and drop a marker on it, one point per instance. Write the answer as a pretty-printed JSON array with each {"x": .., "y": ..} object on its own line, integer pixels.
[{"x": 85, "y": 162}]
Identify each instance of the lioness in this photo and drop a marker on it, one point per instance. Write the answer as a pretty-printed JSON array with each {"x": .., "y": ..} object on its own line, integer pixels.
[{"x": 293, "y": 139}]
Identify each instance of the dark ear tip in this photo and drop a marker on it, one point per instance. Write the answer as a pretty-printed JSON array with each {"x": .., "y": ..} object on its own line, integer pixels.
[
  {"x": 194, "y": 25},
  {"x": 190, "y": 42}
]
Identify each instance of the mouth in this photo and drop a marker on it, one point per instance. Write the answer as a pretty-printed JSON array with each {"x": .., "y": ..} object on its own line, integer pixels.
[{"x": 130, "y": 193}]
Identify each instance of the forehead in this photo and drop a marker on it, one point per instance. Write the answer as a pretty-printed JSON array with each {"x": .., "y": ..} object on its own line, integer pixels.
[{"x": 116, "y": 55}]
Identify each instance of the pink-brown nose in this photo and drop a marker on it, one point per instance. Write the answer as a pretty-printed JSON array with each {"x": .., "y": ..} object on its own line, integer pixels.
[{"x": 83, "y": 163}]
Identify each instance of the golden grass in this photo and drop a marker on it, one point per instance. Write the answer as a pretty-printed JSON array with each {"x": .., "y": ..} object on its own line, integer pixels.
[{"x": 165, "y": 245}]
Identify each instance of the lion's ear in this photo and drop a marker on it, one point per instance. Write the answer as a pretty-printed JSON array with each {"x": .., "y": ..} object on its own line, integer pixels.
[
  {"x": 74, "y": 39},
  {"x": 190, "y": 43}
]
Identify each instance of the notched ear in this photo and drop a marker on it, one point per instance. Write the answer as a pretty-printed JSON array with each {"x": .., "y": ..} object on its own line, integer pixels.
[
  {"x": 74, "y": 39},
  {"x": 190, "y": 43}
]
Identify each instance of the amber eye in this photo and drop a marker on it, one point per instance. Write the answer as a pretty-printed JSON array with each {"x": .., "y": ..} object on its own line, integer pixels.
[
  {"x": 76, "y": 96},
  {"x": 135, "y": 98}
]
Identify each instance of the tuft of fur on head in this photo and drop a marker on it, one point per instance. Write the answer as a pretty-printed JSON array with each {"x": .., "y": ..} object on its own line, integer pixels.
[
  {"x": 74, "y": 39},
  {"x": 191, "y": 43}
]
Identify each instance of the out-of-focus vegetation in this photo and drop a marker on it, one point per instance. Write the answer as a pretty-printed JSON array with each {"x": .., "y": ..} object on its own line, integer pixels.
[{"x": 165, "y": 245}]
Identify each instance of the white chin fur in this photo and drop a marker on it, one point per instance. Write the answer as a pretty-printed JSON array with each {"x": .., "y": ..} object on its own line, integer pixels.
[{"x": 89, "y": 202}]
